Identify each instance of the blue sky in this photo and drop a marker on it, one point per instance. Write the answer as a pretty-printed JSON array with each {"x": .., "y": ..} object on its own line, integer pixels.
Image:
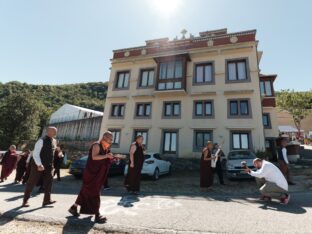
[{"x": 70, "y": 41}]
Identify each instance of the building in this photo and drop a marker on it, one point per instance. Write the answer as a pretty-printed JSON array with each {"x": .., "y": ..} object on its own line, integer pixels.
[
  {"x": 284, "y": 119},
  {"x": 181, "y": 93},
  {"x": 76, "y": 123}
]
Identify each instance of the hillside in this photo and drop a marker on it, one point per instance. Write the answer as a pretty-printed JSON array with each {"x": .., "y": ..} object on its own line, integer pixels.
[{"x": 88, "y": 95}]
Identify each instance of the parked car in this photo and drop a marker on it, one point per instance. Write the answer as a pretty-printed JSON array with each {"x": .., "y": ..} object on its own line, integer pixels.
[
  {"x": 77, "y": 167},
  {"x": 154, "y": 166},
  {"x": 233, "y": 165}
]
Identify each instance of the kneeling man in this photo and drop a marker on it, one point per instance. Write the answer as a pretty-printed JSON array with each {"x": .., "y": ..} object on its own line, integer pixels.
[{"x": 271, "y": 181}]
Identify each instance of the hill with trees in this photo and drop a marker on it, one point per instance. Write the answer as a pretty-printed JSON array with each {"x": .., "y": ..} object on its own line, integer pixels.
[{"x": 25, "y": 108}]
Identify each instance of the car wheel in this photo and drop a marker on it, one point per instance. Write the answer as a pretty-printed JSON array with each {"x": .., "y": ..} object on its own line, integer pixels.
[
  {"x": 156, "y": 174},
  {"x": 78, "y": 177},
  {"x": 170, "y": 170}
]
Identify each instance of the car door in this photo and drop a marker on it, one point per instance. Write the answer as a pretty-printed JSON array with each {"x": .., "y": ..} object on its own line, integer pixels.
[{"x": 161, "y": 164}]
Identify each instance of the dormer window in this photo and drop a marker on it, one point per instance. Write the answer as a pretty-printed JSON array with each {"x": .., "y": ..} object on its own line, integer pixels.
[{"x": 171, "y": 72}]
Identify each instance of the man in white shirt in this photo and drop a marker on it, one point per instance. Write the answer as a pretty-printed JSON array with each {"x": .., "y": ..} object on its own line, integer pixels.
[
  {"x": 41, "y": 166},
  {"x": 271, "y": 181}
]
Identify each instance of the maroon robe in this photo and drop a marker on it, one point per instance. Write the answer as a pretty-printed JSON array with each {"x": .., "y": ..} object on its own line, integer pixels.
[
  {"x": 206, "y": 172},
  {"x": 8, "y": 164},
  {"x": 133, "y": 178},
  {"x": 21, "y": 167},
  {"x": 94, "y": 176}
]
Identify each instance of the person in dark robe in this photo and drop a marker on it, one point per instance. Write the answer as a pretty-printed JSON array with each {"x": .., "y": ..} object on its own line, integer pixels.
[
  {"x": 283, "y": 162},
  {"x": 206, "y": 171},
  {"x": 42, "y": 166},
  {"x": 58, "y": 160},
  {"x": 99, "y": 160},
  {"x": 9, "y": 162},
  {"x": 133, "y": 178},
  {"x": 27, "y": 172},
  {"x": 21, "y": 166},
  {"x": 218, "y": 169}
]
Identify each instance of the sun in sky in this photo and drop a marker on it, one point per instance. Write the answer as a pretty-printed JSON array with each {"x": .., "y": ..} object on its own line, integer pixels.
[{"x": 166, "y": 8}]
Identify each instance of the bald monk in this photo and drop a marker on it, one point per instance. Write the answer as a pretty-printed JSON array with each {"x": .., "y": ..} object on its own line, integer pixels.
[
  {"x": 133, "y": 178},
  {"x": 94, "y": 176},
  {"x": 206, "y": 171},
  {"x": 9, "y": 162}
]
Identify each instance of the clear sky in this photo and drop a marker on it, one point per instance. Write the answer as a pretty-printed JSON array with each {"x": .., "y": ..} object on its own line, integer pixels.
[{"x": 70, "y": 41}]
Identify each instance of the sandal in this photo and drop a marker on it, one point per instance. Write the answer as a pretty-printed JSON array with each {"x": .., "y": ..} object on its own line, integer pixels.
[
  {"x": 74, "y": 211},
  {"x": 100, "y": 219}
]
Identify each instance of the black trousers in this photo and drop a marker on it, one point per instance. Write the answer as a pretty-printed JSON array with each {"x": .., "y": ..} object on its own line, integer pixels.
[
  {"x": 57, "y": 171},
  {"x": 219, "y": 171},
  {"x": 33, "y": 179}
]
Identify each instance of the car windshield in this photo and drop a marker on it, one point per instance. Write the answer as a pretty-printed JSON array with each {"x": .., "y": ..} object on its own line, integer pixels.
[
  {"x": 241, "y": 155},
  {"x": 147, "y": 156}
]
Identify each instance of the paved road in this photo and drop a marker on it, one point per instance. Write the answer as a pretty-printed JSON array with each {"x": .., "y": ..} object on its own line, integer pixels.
[{"x": 209, "y": 212}]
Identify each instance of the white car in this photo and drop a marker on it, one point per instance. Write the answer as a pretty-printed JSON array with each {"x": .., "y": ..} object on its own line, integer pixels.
[{"x": 154, "y": 166}]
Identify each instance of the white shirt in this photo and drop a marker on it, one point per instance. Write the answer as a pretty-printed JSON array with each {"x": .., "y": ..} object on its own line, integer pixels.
[
  {"x": 36, "y": 152},
  {"x": 271, "y": 173},
  {"x": 284, "y": 151}
]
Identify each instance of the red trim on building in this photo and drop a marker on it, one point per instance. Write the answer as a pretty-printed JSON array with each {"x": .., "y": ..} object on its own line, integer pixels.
[
  {"x": 164, "y": 45},
  {"x": 268, "y": 102}
]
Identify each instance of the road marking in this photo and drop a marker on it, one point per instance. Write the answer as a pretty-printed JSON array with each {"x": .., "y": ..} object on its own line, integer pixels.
[{"x": 130, "y": 205}]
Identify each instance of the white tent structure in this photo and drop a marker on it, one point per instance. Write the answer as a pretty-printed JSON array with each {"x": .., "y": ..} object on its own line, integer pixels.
[
  {"x": 69, "y": 112},
  {"x": 287, "y": 129}
]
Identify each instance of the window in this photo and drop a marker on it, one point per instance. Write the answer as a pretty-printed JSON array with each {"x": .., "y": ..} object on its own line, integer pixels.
[
  {"x": 170, "y": 142},
  {"x": 118, "y": 110},
  {"x": 203, "y": 73},
  {"x": 116, "y": 136},
  {"x": 239, "y": 108},
  {"x": 170, "y": 75},
  {"x": 147, "y": 78},
  {"x": 200, "y": 139},
  {"x": 237, "y": 70},
  {"x": 266, "y": 120},
  {"x": 122, "y": 81},
  {"x": 172, "y": 109},
  {"x": 203, "y": 109},
  {"x": 240, "y": 140},
  {"x": 266, "y": 88},
  {"x": 143, "y": 110},
  {"x": 143, "y": 133}
]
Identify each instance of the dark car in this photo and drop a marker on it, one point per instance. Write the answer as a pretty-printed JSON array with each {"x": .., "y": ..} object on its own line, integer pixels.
[{"x": 77, "y": 167}]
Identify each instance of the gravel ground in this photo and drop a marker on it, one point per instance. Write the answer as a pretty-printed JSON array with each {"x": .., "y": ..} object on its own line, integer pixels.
[{"x": 10, "y": 226}]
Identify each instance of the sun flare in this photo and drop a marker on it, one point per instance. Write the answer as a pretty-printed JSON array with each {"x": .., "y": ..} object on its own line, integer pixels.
[{"x": 166, "y": 7}]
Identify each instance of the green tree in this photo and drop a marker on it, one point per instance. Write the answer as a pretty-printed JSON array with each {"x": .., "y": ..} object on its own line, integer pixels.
[
  {"x": 298, "y": 104},
  {"x": 20, "y": 119}
]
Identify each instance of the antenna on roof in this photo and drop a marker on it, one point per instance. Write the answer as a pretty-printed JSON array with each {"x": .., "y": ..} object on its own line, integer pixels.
[{"x": 183, "y": 32}]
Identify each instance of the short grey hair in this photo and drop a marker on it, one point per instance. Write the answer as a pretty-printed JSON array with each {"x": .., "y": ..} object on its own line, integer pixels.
[
  {"x": 107, "y": 133},
  {"x": 257, "y": 160},
  {"x": 52, "y": 128}
]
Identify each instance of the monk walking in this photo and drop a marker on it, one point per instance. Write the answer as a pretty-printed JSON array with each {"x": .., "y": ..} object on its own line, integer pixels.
[
  {"x": 21, "y": 166},
  {"x": 133, "y": 178},
  {"x": 95, "y": 174},
  {"x": 42, "y": 166},
  {"x": 8, "y": 162},
  {"x": 206, "y": 171}
]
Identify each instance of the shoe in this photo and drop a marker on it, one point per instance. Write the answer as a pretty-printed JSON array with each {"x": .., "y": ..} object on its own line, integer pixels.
[
  {"x": 100, "y": 219},
  {"x": 48, "y": 203},
  {"x": 285, "y": 200},
  {"x": 265, "y": 198},
  {"x": 25, "y": 204},
  {"x": 74, "y": 211}
]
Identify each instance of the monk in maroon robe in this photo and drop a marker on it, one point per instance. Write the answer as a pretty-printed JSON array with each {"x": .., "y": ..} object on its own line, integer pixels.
[
  {"x": 133, "y": 178},
  {"x": 94, "y": 176},
  {"x": 21, "y": 166},
  {"x": 206, "y": 171},
  {"x": 9, "y": 161}
]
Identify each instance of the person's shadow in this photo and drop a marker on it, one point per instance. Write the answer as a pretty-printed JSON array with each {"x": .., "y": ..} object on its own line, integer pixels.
[
  {"x": 84, "y": 225},
  {"x": 127, "y": 200},
  {"x": 289, "y": 208}
]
